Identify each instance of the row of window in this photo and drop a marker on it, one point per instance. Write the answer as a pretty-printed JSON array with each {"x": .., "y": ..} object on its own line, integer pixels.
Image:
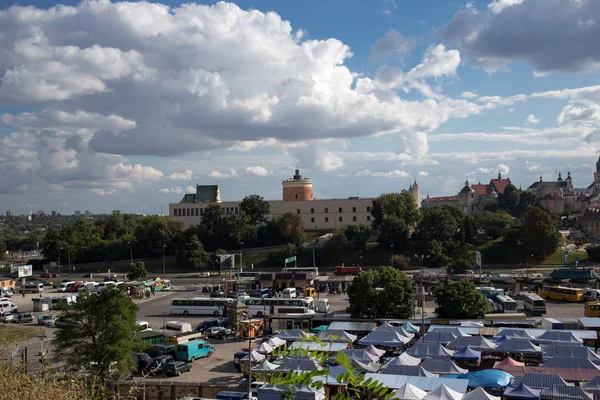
[
  {"x": 340, "y": 210},
  {"x": 340, "y": 219},
  {"x": 195, "y": 212}
]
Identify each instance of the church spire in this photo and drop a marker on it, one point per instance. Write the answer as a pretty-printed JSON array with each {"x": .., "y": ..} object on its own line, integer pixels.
[{"x": 499, "y": 176}]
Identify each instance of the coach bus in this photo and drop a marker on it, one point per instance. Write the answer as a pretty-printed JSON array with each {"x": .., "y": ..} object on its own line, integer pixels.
[
  {"x": 200, "y": 306},
  {"x": 534, "y": 304},
  {"x": 506, "y": 305},
  {"x": 279, "y": 306},
  {"x": 561, "y": 293}
]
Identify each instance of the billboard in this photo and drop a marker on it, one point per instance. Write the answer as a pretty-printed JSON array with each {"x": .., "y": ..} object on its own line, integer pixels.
[
  {"x": 227, "y": 261},
  {"x": 25, "y": 270}
]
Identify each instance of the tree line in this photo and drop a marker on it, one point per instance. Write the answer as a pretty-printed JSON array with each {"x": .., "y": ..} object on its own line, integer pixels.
[{"x": 123, "y": 236}]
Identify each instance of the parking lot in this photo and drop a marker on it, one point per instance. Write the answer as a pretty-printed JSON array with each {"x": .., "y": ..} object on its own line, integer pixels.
[{"x": 219, "y": 367}]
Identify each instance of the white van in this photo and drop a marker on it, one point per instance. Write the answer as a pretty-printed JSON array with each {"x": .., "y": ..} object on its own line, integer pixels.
[
  {"x": 143, "y": 326},
  {"x": 33, "y": 287},
  {"x": 590, "y": 294},
  {"x": 8, "y": 307},
  {"x": 87, "y": 287},
  {"x": 63, "y": 287},
  {"x": 180, "y": 327},
  {"x": 323, "y": 305},
  {"x": 289, "y": 293}
]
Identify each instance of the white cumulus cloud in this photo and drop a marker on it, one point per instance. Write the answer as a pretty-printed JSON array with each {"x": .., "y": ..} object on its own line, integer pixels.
[
  {"x": 258, "y": 170},
  {"x": 532, "y": 120},
  {"x": 180, "y": 176}
]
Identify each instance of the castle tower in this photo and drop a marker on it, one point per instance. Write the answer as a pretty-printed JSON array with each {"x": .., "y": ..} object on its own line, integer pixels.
[
  {"x": 413, "y": 189},
  {"x": 597, "y": 173},
  {"x": 297, "y": 188}
]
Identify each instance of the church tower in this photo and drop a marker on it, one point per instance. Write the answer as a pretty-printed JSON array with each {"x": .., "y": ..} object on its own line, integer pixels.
[
  {"x": 597, "y": 173},
  {"x": 413, "y": 189}
]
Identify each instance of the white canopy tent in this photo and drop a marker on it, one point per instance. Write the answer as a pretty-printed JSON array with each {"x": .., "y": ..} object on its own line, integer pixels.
[{"x": 409, "y": 392}]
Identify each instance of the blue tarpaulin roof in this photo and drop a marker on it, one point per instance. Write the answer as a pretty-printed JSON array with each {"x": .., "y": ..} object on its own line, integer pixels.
[
  {"x": 487, "y": 378},
  {"x": 466, "y": 354},
  {"x": 522, "y": 392}
]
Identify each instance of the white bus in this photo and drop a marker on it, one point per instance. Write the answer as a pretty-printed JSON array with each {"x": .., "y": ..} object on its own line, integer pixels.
[
  {"x": 534, "y": 304},
  {"x": 506, "y": 305},
  {"x": 279, "y": 306},
  {"x": 490, "y": 292},
  {"x": 200, "y": 306}
]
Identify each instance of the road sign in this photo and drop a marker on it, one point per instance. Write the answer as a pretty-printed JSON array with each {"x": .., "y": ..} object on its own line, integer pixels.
[{"x": 289, "y": 260}]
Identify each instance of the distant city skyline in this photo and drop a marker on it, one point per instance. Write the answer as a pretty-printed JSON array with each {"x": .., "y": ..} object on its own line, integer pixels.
[{"x": 364, "y": 99}]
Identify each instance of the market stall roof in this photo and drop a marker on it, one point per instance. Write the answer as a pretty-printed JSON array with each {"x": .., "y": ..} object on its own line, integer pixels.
[
  {"x": 589, "y": 323},
  {"x": 581, "y": 334},
  {"x": 518, "y": 346},
  {"x": 474, "y": 342},
  {"x": 409, "y": 392},
  {"x": 540, "y": 381},
  {"x": 491, "y": 378},
  {"x": 514, "y": 334},
  {"x": 331, "y": 378},
  {"x": 457, "y": 331},
  {"x": 570, "y": 362},
  {"x": 423, "y": 383},
  {"x": 300, "y": 364},
  {"x": 443, "y": 392},
  {"x": 408, "y": 327},
  {"x": 557, "y": 337},
  {"x": 302, "y": 392},
  {"x": 374, "y": 350},
  {"x": 466, "y": 353},
  {"x": 349, "y": 326},
  {"x": 365, "y": 366},
  {"x": 254, "y": 355},
  {"x": 472, "y": 323},
  {"x": 265, "y": 366},
  {"x": 479, "y": 394},
  {"x": 410, "y": 370},
  {"x": 507, "y": 363},
  {"x": 292, "y": 334},
  {"x": 403, "y": 359},
  {"x": 384, "y": 338},
  {"x": 430, "y": 350},
  {"x": 569, "y": 350},
  {"x": 360, "y": 354},
  {"x": 397, "y": 329},
  {"x": 319, "y": 346},
  {"x": 439, "y": 337},
  {"x": 593, "y": 386},
  {"x": 565, "y": 393},
  {"x": 443, "y": 367},
  {"x": 336, "y": 336},
  {"x": 568, "y": 374},
  {"x": 264, "y": 348},
  {"x": 276, "y": 342},
  {"x": 522, "y": 392},
  {"x": 320, "y": 328}
]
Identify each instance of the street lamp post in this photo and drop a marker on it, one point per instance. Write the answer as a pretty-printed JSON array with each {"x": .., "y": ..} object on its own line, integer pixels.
[
  {"x": 58, "y": 275},
  {"x": 130, "y": 253},
  {"x": 164, "y": 263},
  {"x": 241, "y": 256},
  {"x": 422, "y": 295}
]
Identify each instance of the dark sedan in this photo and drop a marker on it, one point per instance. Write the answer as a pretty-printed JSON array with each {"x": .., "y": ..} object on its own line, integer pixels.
[
  {"x": 176, "y": 368},
  {"x": 156, "y": 367}
]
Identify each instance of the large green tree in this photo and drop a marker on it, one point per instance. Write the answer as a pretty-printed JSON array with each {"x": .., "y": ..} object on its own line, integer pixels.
[
  {"x": 358, "y": 236},
  {"x": 400, "y": 205},
  {"x": 460, "y": 299},
  {"x": 539, "y": 236},
  {"x": 138, "y": 271},
  {"x": 291, "y": 228},
  {"x": 444, "y": 224},
  {"x": 95, "y": 334},
  {"x": 393, "y": 231},
  {"x": 495, "y": 224},
  {"x": 509, "y": 199},
  {"x": 192, "y": 254},
  {"x": 255, "y": 207},
  {"x": 337, "y": 247},
  {"x": 382, "y": 293}
]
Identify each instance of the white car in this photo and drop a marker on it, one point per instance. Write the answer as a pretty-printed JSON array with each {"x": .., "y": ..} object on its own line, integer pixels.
[{"x": 204, "y": 275}]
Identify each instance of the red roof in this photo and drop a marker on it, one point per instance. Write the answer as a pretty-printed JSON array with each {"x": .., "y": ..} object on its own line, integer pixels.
[
  {"x": 508, "y": 363},
  {"x": 482, "y": 189},
  {"x": 500, "y": 184}
]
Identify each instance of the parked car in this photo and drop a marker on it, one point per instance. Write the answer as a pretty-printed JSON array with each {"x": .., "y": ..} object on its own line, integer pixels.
[
  {"x": 47, "y": 283},
  {"x": 141, "y": 360},
  {"x": 211, "y": 332},
  {"x": 111, "y": 278},
  {"x": 193, "y": 350},
  {"x": 225, "y": 333},
  {"x": 204, "y": 325},
  {"x": 26, "y": 318},
  {"x": 157, "y": 365},
  {"x": 88, "y": 275},
  {"x": 176, "y": 368},
  {"x": 7, "y": 317},
  {"x": 48, "y": 320},
  {"x": 204, "y": 275}
]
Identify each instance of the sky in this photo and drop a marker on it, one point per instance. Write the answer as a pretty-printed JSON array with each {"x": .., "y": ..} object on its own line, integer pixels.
[{"x": 128, "y": 105}]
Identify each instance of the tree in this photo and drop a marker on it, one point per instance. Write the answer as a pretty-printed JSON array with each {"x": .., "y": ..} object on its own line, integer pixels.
[
  {"x": 336, "y": 246},
  {"x": 526, "y": 201},
  {"x": 539, "y": 234},
  {"x": 138, "y": 271},
  {"x": 509, "y": 199},
  {"x": 358, "y": 236},
  {"x": 192, "y": 254},
  {"x": 255, "y": 207},
  {"x": 464, "y": 259},
  {"x": 495, "y": 224},
  {"x": 95, "y": 334},
  {"x": 400, "y": 262},
  {"x": 434, "y": 255},
  {"x": 444, "y": 224},
  {"x": 291, "y": 228},
  {"x": 369, "y": 296},
  {"x": 401, "y": 205},
  {"x": 460, "y": 299},
  {"x": 393, "y": 231}
]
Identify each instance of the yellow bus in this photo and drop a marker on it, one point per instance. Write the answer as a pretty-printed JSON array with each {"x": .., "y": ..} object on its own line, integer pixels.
[
  {"x": 592, "y": 309},
  {"x": 561, "y": 293}
]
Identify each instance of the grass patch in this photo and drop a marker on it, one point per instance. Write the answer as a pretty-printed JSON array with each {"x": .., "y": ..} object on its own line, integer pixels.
[
  {"x": 558, "y": 257},
  {"x": 11, "y": 334},
  {"x": 311, "y": 236}
]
